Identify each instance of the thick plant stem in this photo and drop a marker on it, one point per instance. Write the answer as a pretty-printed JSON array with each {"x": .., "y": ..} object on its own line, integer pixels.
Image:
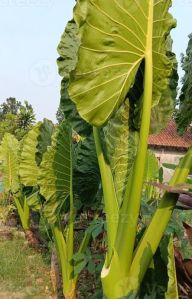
[
  {"x": 152, "y": 237},
  {"x": 130, "y": 211},
  {"x": 110, "y": 199},
  {"x": 70, "y": 236},
  {"x": 23, "y": 213},
  {"x": 68, "y": 287},
  {"x": 26, "y": 216}
]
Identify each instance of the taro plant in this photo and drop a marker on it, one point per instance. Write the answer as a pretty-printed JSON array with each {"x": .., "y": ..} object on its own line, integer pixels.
[
  {"x": 120, "y": 75},
  {"x": 10, "y": 156},
  {"x": 58, "y": 172},
  {"x": 34, "y": 146},
  {"x": 47, "y": 171}
]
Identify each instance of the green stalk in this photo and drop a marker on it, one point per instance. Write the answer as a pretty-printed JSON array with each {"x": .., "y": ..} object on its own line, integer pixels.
[
  {"x": 70, "y": 235},
  {"x": 152, "y": 237},
  {"x": 26, "y": 220},
  {"x": 130, "y": 210},
  {"x": 23, "y": 213},
  {"x": 62, "y": 255},
  {"x": 86, "y": 239},
  {"x": 110, "y": 199}
]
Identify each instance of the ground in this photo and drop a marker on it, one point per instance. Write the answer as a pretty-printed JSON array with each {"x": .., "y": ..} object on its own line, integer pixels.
[{"x": 24, "y": 273}]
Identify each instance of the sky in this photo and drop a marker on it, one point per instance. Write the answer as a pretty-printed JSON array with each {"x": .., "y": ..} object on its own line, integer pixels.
[{"x": 30, "y": 31}]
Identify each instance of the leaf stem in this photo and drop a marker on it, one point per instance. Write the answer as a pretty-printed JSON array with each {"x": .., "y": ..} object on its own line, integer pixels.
[
  {"x": 23, "y": 212},
  {"x": 110, "y": 199},
  {"x": 130, "y": 210},
  {"x": 62, "y": 255},
  {"x": 151, "y": 239},
  {"x": 70, "y": 236}
]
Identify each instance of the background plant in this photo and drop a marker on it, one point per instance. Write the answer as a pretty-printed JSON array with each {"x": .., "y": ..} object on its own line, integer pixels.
[
  {"x": 16, "y": 118},
  {"x": 184, "y": 115}
]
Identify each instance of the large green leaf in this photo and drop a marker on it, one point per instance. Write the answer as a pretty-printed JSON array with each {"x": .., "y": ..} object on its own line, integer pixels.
[
  {"x": 55, "y": 178},
  {"x": 44, "y": 139},
  {"x": 162, "y": 113},
  {"x": 10, "y": 163},
  {"x": 114, "y": 42},
  {"x": 28, "y": 169},
  {"x": 67, "y": 50},
  {"x": 121, "y": 146},
  {"x": 172, "y": 290},
  {"x": 152, "y": 167},
  {"x": 86, "y": 171},
  {"x": 34, "y": 145}
]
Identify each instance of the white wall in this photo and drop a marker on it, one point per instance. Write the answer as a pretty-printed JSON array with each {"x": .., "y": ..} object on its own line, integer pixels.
[{"x": 166, "y": 156}]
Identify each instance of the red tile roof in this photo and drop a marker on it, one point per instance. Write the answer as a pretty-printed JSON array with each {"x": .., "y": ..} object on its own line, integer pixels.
[{"x": 169, "y": 137}]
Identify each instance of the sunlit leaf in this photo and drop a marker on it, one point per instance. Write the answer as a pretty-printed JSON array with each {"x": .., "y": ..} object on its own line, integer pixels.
[
  {"x": 9, "y": 149},
  {"x": 55, "y": 172},
  {"x": 108, "y": 63}
]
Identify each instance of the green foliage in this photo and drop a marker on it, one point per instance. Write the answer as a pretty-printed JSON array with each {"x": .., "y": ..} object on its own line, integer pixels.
[
  {"x": 162, "y": 113},
  {"x": 28, "y": 169},
  {"x": 34, "y": 146},
  {"x": 11, "y": 105},
  {"x": 152, "y": 167},
  {"x": 67, "y": 50},
  {"x": 184, "y": 115},
  {"x": 172, "y": 290},
  {"x": 86, "y": 174},
  {"x": 10, "y": 162},
  {"x": 86, "y": 170},
  {"x": 9, "y": 154},
  {"x": 55, "y": 178},
  {"x": 15, "y": 118},
  {"x": 105, "y": 76},
  {"x": 121, "y": 148},
  {"x": 130, "y": 59}
]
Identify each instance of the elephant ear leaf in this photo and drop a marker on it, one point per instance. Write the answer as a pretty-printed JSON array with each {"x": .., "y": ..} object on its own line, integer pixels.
[
  {"x": 172, "y": 290},
  {"x": 151, "y": 167},
  {"x": 44, "y": 139},
  {"x": 28, "y": 169},
  {"x": 10, "y": 161},
  {"x": 161, "y": 113},
  {"x": 34, "y": 145},
  {"x": 55, "y": 178},
  {"x": 67, "y": 50},
  {"x": 86, "y": 174},
  {"x": 121, "y": 147},
  {"x": 114, "y": 43}
]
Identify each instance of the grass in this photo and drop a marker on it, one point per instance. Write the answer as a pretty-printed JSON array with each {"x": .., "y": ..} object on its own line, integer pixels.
[{"x": 24, "y": 273}]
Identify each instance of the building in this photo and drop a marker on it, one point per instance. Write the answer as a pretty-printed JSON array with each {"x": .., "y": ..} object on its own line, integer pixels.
[{"x": 169, "y": 147}]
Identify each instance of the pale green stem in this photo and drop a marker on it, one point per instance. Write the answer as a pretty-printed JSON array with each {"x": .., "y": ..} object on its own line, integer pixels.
[
  {"x": 26, "y": 215},
  {"x": 70, "y": 236},
  {"x": 110, "y": 199},
  {"x": 84, "y": 244},
  {"x": 130, "y": 211},
  {"x": 62, "y": 255},
  {"x": 23, "y": 213},
  {"x": 152, "y": 237}
]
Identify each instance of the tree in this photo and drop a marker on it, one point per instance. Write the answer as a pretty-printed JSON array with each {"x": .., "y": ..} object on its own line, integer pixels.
[
  {"x": 60, "y": 116},
  {"x": 16, "y": 118},
  {"x": 184, "y": 115},
  {"x": 11, "y": 105}
]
